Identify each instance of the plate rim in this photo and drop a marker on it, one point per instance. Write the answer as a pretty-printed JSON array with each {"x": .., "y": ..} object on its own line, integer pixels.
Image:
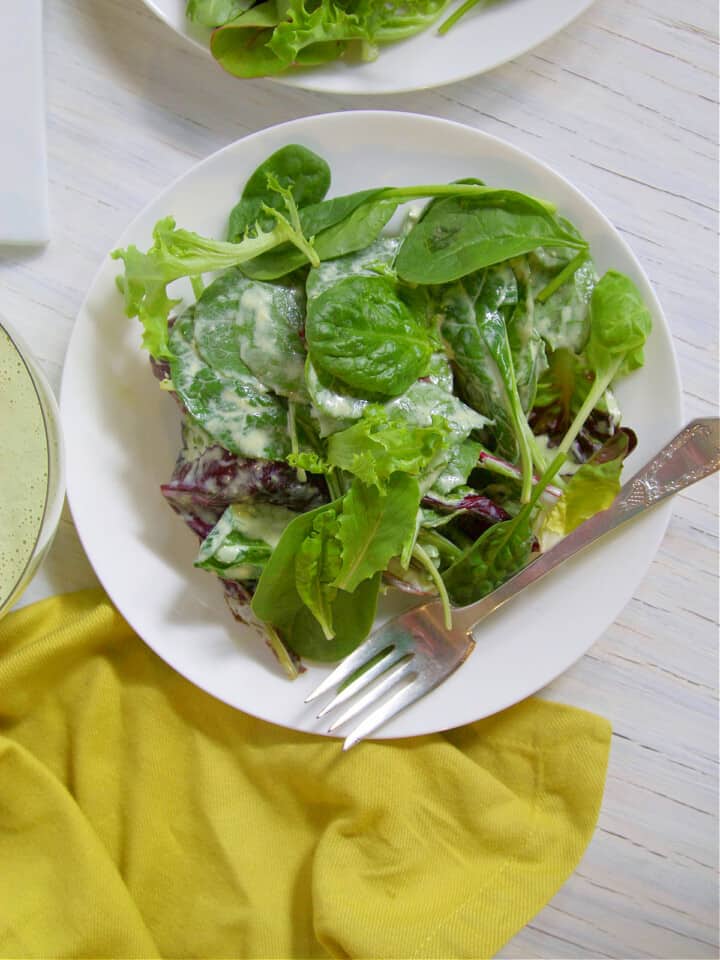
[{"x": 662, "y": 511}]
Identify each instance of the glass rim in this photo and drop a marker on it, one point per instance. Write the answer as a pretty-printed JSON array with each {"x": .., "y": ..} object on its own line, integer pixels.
[{"x": 12, "y": 594}]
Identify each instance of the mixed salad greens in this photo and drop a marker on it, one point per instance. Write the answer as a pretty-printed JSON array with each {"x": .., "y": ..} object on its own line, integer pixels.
[
  {"x": 260, "y": 38},
  {"x": 425, "y": 407}
]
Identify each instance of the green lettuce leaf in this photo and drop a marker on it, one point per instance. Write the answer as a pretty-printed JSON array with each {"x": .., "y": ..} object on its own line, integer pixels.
[
  {"x": 180, "y": 253},
  {"x": 376, "y": 447},
  {"x": 375, "y": 526}
]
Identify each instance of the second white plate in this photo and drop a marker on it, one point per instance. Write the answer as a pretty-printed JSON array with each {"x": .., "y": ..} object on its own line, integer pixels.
[{"x": 482, "y": 40}]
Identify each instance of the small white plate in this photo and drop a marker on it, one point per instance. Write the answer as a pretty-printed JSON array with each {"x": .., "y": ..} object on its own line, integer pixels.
[
  {"x": 481, "y": 41},
  {"x": 122, "y": 436}
]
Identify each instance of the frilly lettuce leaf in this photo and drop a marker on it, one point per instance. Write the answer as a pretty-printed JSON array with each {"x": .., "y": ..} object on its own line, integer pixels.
[{"x": 177, "y": 253}]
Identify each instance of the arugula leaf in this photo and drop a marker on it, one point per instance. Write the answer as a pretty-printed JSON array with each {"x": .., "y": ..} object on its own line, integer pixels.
[
  {"x": 181, "y": 253},
  {"x": 500, "y": 552},
  {"x": 459, "y": 13},
  {"x": 362, "y": 333},
  {"x": 463, "y": 234},
  {"x": 375, "y": 526}
]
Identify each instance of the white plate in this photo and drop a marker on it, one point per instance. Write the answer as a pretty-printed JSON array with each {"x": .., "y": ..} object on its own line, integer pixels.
[
  {"x": 482, "y": 40},
  {"x": 122, "y": 436}
]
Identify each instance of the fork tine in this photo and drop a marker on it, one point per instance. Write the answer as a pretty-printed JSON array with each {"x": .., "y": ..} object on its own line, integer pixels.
[
  {"x": 389, "y": 659},
  {"x": 403, "y": 698},
  {"x": 386, "y": 683},
  {"x": 374, "y": 644}
]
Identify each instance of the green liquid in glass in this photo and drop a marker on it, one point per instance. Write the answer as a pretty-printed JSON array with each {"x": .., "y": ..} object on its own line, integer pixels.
[{"x": 23, "y": 467}]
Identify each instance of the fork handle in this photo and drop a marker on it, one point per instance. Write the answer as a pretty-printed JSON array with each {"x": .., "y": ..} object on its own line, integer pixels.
[{"x": 690, "y": 456}]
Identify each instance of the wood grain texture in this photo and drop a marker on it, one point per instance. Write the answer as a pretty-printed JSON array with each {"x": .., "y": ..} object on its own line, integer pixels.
[{"x": 624, "y": 104}]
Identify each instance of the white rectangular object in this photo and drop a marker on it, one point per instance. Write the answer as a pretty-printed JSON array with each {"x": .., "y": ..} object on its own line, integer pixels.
[{"x": 23, "y": 161}]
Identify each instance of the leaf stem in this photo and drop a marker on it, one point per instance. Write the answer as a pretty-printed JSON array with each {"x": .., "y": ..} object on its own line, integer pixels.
[
  {"x": 442, "y": 543},
  {"x": 294, "y": 445},
  {"x": 598, "y": 389},
  {"x": 281, "y": 652},
  {"x": 422, "y": 557},
  {"x": 421, "y": 191},
  {"x": 460, "y": 12},
  {"x": 568, "y": 271}
]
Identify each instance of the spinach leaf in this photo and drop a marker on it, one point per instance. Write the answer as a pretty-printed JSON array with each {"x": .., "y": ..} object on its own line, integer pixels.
[
  {"x": 374, "y": 260},
  {"x": 461, "y": 462},
  {"x": 362, "y": 333},
  {"x": 499, "y": 553},
  {"x": 474, "y": 326},
  {"x": 338, "y": 227},
  {"x": 305, "y": 174},
  {"x": 375, "y": 526},
  {"x": 234, "y": 408},
  {"x": 241, "y": 542},
  {"x": 353, "y": 613},
  {"x": 527, "y": 347},
  {"x": 335, "y": 405},
  {"x": 259, "y": 324},
  {"x": 463, "y": 234},
  {"x": 563, "y": 318},
  {"x": 620, "y": 323},
  {"x": 278, "y": 600}
]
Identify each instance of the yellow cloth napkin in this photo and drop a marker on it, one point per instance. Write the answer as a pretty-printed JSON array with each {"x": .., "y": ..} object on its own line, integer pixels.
[{"x": 140, "y": 817}]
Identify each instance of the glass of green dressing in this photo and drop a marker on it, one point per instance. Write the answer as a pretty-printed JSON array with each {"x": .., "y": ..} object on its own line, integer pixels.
[{"x": 32, "y": 477}]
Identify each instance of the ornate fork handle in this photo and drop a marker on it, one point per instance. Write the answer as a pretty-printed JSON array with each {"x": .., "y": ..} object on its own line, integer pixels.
[{"x": 690, "y": 456}]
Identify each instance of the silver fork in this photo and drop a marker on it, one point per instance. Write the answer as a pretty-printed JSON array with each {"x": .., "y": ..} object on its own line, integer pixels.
[{"x": 414, "y": 652}]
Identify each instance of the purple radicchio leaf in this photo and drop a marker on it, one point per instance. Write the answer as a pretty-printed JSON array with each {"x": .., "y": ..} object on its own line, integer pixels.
[
  {"x": 238, "y": 597},
  {"x": 207, "y": 481},
  {"x": 598, "y": 429},
  {"x": 478, "y": 512}
]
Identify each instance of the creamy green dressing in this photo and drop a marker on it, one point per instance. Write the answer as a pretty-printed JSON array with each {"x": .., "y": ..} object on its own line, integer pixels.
[{"x": 24, "y": 465}]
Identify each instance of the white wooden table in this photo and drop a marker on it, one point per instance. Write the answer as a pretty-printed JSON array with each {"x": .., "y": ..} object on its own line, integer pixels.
[{"x": 624, "y": 104}]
